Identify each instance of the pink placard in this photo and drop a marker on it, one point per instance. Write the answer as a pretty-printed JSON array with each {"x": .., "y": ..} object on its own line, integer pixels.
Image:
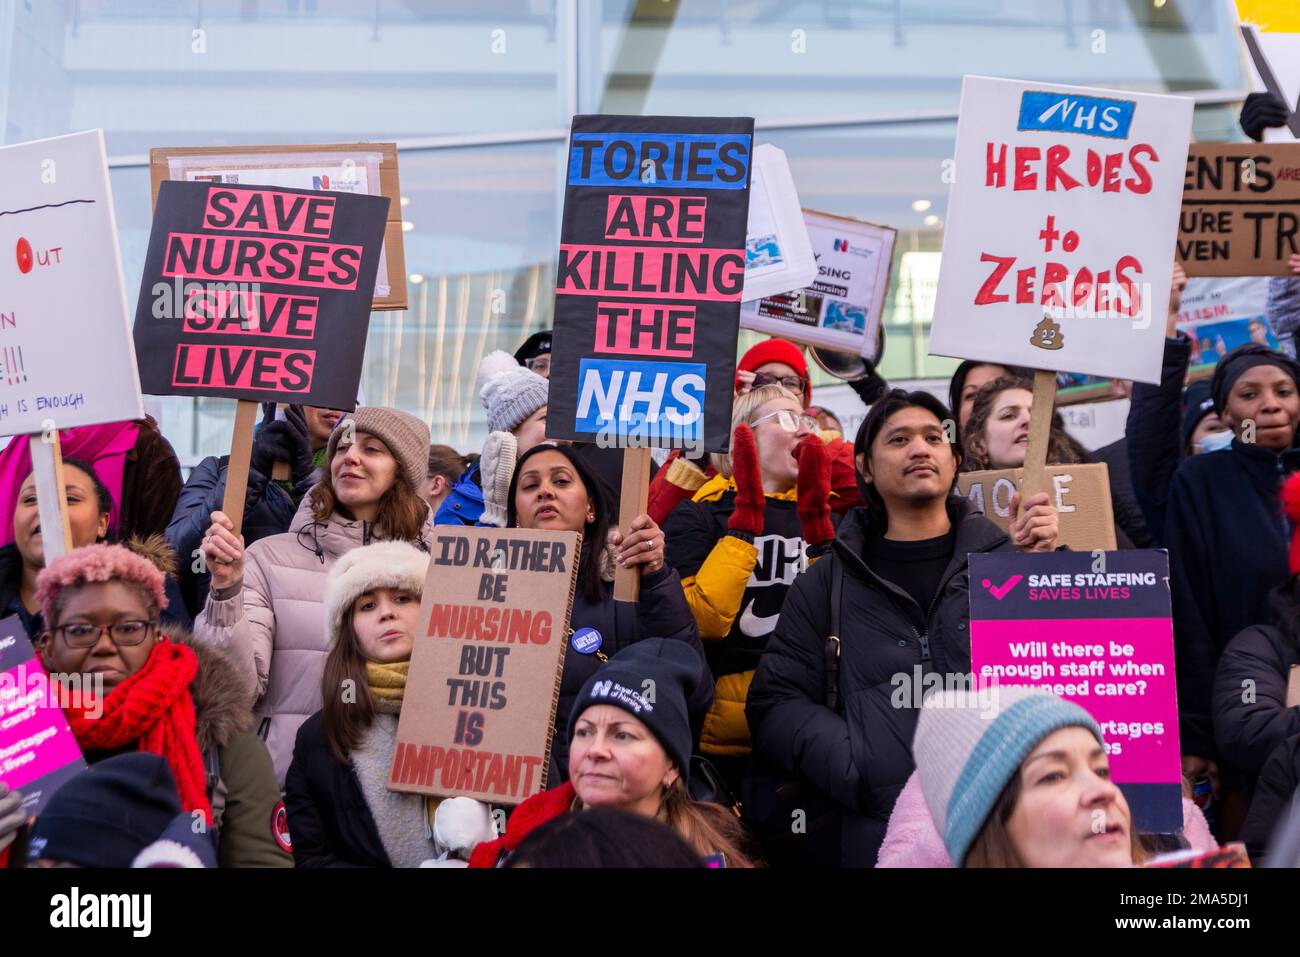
[{"x": 1120, "y": 670}]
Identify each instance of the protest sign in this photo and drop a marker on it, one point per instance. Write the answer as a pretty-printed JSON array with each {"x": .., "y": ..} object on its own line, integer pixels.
[
  {"x": 778, "y": 253},
  {"x": 38, "y": 751},
  {"x": 367, "y": 169},
  {"x": 1239, "y": 215},
  {"x": 1057, "y": 252},
  {"x": 65, "y": 345},
  {"x": 841, "y": 309},
  {"x": 1081, "y": 494},
  {"x": 648, "y": 286},
  {"x": 1094, "y": 629},
  {"x": 65, "y": 348},
  {"x": 258, "y": 294},
  {"x": 479, "y": 712}
]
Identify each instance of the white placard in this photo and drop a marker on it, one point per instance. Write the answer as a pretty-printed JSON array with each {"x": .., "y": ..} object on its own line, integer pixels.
[
  {"x": 778, "y": 253},
  {"x": 66, "y": 357},
  {"x": 1065, "y": 202},
  {"x": 841, "y": 307}
]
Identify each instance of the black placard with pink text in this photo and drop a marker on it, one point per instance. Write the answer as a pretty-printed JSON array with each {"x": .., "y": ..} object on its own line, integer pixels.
[{"x": 258, "y": 293}]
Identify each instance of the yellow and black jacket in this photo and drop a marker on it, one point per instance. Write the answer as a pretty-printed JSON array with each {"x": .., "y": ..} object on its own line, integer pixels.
[{"x": 735, "y": 589}]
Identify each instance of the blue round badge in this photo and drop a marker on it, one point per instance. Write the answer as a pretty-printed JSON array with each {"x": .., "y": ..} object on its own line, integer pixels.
[{"x": 586, "y": 641}]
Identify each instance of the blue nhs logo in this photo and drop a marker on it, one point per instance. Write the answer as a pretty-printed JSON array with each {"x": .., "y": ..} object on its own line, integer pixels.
[{"x": 1069, "y": 113}]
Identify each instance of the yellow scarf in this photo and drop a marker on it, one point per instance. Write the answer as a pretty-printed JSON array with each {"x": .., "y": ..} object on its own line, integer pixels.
[{"x": 387, "y": 683}]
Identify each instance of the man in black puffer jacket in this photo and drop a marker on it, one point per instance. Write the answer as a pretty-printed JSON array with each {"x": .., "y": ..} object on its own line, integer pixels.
[{"x": 904, "y": 605}]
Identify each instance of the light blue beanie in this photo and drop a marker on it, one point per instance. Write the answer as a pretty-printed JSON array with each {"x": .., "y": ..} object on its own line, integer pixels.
[{"x": 969, "y": 745}]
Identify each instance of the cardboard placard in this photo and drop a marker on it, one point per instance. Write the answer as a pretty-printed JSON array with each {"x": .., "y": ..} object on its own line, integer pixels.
[
  {"x": 1240, "y": 215},
  {"x": 778, "y": 253},
  {"x": 1101, "y": 637},
  {"x": 1061, "y": 222},
  {"x": 1081, "y": 494},
  {"x": 38, "y": 751},
  {"x": 649, "y": 280},
  {"x": 842, "y": 307},
  {"x": 479, "y": 712},
  {"x": 65, "y": 334},
  {"x": 258, "y": 294},
  {"x": 365, "y": 168}
]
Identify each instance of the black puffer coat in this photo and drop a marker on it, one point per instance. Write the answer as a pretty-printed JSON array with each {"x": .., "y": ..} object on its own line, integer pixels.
[
  {"x": 1250, "y": 714},
  {"x": 860, "y": 755}
]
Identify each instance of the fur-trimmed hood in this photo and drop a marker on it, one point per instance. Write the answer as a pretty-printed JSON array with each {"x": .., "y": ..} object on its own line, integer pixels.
[{"x": 223, "y": 708}]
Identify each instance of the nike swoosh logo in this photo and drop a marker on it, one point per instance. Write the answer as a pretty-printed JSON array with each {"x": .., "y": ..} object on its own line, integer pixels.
[
  {"x": 756, "y": 626},
  {"x": 1000, "y": 591}
]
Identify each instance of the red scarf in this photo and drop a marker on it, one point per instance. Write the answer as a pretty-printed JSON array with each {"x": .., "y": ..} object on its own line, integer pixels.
[{"x": 154, "y": 709}]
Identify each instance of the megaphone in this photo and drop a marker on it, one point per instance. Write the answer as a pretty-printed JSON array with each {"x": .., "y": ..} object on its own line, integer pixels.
[{"x": 849, "y": 365}]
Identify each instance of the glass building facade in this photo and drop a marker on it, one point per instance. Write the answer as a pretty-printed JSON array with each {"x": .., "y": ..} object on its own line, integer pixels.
[{"x": 862, "y": 95}]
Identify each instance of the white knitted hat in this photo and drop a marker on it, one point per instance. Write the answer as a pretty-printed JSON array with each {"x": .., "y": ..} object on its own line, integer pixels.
[
  {"x": 381, "y": 565},
  {"x": 508, "y": 391}
]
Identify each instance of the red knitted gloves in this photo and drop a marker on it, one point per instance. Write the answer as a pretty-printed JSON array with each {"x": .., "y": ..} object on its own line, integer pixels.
[
  {"x": 814, "y": 484},
  {"x": 750, "y": 501}
]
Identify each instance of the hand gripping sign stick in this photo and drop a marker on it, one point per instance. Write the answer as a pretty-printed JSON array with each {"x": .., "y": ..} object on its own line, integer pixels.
[
  {"x": 51, "y": 497},
  {"x": 1040, "y": 429},
  {"x": 280, "y": 471},
  {"x": 633, "y": 502}
]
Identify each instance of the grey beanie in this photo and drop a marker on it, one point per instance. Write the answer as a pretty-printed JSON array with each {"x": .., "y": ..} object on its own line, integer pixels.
[
  {"x": 406, "y": 437},
  {"x": 509, "y": 392},
  {"x": 969, "y": 745}
]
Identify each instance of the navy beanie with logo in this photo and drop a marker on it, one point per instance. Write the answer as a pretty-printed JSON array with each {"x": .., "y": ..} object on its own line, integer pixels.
[
  {"x": 107, "y": 814},
  {"x": 651, "y": 680}
]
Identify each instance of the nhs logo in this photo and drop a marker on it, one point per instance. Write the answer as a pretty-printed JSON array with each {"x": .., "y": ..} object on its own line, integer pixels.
[
  {"x": 1070, "y": 113},
  {"x": 643, "y": 400}
]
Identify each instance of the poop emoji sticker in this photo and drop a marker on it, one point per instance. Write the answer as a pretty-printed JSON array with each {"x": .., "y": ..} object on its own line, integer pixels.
[{"x": 1047, "y": 335}]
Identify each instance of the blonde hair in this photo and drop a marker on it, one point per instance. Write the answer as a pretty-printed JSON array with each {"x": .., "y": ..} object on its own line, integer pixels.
[{"x": 743, "y": 409}]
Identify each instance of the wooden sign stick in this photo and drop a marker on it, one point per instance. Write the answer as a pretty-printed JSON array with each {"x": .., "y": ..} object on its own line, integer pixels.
[
  {"x": 51, "y": 498},
  {"x": 280, "y": 471},
  {"x": 635, "y": 494},
  {"x": 1040, "y": 431},
  {"x": 241, "y": 453}
]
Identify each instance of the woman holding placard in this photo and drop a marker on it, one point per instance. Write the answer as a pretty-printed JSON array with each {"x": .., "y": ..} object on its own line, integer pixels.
[
  {"x": 553, "y": 488},
  {"x": 265, "y": 604},
  {"x": 996, "y": 436},
  {"x": 341, "y": 812}
]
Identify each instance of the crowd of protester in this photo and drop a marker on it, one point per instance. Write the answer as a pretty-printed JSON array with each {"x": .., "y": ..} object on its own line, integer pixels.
[{"x": 783, "y": 587}]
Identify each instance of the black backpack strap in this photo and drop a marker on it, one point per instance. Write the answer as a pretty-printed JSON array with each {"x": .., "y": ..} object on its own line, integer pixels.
[{"x": 831, "y": 650}]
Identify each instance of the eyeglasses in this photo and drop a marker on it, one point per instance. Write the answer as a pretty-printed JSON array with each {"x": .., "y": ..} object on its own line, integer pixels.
[
  {"x": 539, "y": 364},
  {"x": 81, "y": 634},
  {"x": 790, "y": 421},
  {"x": 795, "y": 383}
]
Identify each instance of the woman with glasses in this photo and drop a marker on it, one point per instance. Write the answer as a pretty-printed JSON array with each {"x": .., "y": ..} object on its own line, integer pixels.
[
  {"x": 89, "y": 509},
  {"x": 739, "y": 543},
  {"x": 771, "y": 362},
  {"x": 126, "y": 684}
]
